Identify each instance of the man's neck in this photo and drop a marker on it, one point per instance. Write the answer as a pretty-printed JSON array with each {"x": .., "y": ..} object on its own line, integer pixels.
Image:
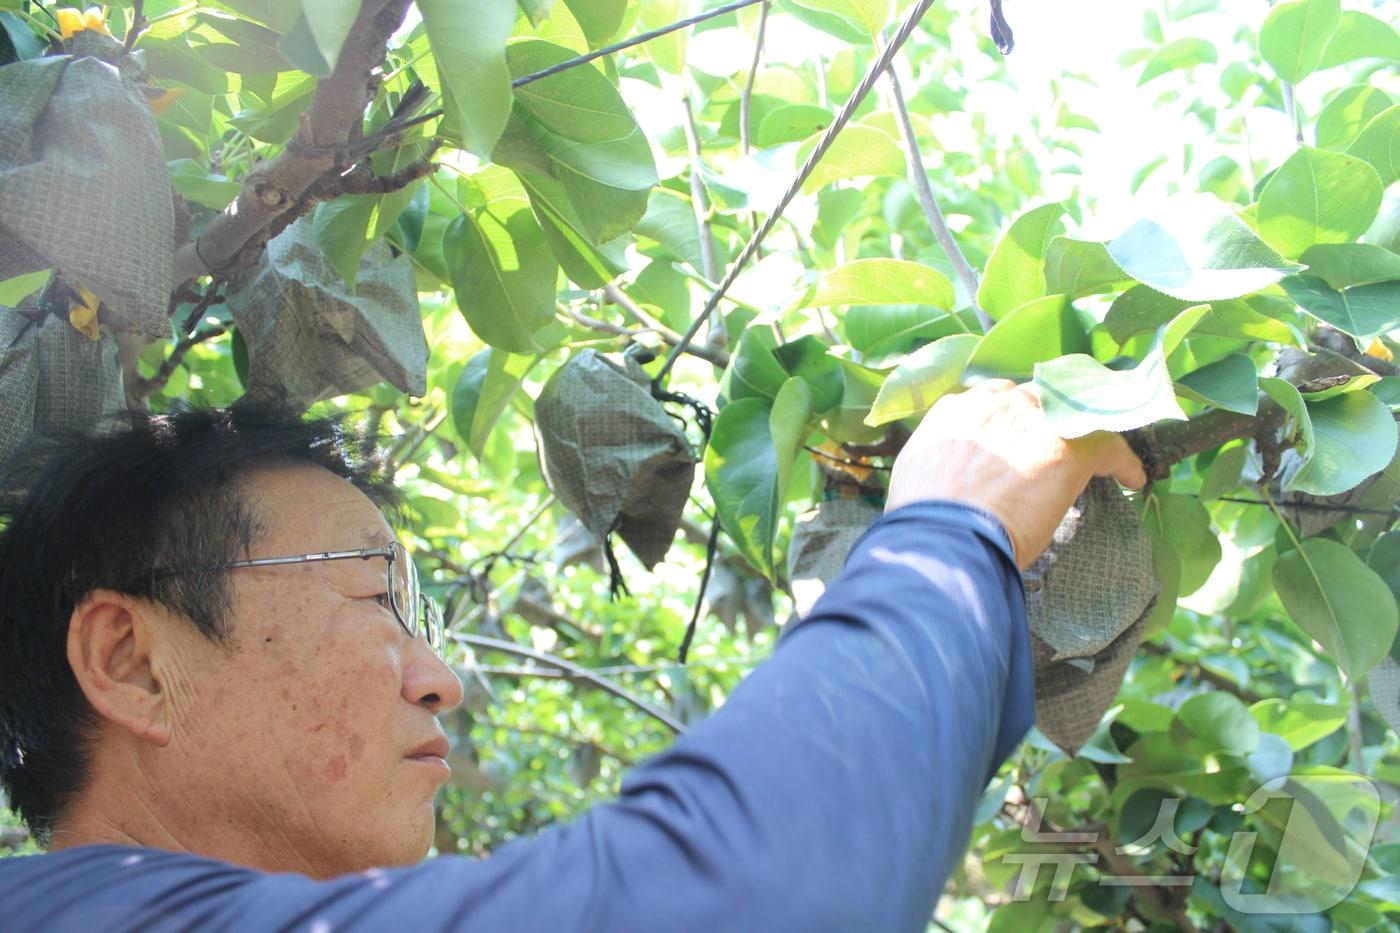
[{"x": 124, "y": 810}]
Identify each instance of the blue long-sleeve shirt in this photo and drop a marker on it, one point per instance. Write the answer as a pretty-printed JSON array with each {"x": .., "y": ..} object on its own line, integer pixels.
[{"x": 833, "y": 791}]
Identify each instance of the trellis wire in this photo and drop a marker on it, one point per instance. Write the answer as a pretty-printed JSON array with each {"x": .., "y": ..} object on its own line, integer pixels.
[
  {"x": 635, "y": 40},
  {"x": 882, "y": 62}
]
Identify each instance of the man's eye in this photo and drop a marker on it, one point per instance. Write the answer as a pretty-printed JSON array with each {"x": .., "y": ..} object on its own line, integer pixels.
[{"x": 382, "y": 599}]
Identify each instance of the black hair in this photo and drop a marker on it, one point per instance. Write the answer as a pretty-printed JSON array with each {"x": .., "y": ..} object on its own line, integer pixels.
[{"x": 105, "y": 510}]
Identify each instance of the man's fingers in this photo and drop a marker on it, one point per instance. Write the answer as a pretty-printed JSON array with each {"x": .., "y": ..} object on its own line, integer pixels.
[{"x": 1110, "y": 455}]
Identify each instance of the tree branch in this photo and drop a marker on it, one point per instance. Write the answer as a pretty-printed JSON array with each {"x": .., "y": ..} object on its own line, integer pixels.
[
  {"x": 582, "y": 673},
  {"x": 274, "y": 188},
  {"x": 918, "y": 177},
  {"x": 713, "y": 355},
  {"x": 143, "y": 389}
]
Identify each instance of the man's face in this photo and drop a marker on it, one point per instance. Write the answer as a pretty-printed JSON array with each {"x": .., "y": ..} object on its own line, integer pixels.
[{"x": 302, "y": 731}]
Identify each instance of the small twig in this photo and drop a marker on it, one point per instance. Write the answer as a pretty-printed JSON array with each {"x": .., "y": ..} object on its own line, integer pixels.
[
  {"x": 1355, "y": 744},
  {"x": 699, "y": 200},
  {"x": 212, "y": 296},
  {"x": 138, "y": 25},
  {"x": 1313, "y": 506},
  {"x": 1202, "y": 673},
  {"x": 519, "y": 533},
  {"x": 844, "y": 462},
  {"x": 746, "y": 98},
  {"x": 918, "y": 177},
  {"x": 145, "y": 388},
  {"x": 582, "y": 673},
  {"x": 669, "y": 337}
]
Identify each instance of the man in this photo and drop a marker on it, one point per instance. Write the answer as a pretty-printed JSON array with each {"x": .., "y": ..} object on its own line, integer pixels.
[{"x": 211, "y": 721}]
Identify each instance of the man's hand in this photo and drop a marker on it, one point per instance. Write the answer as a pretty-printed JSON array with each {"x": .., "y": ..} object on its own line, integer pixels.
[{"x": 992, "y": 448}]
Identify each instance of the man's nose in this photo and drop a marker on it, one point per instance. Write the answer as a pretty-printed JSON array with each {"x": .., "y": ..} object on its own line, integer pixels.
[{"x": 429, "y": 681}]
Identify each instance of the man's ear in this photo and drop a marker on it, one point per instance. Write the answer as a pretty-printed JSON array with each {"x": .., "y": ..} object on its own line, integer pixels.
[{"x": 111, "y": 641}]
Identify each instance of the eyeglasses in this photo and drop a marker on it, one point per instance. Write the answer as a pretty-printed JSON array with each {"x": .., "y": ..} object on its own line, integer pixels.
[{"x": 417, "y": 613}]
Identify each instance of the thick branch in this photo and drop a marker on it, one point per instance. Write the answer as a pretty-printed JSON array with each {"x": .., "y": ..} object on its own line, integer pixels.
[{"x": 275, "y": 187}]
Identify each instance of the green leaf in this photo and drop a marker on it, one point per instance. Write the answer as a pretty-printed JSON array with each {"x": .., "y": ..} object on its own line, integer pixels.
[
  {"x": 1200, "y": 252},
  {"x": 754, "y": 371},
  {"x": 1231, "y": 383},
  {"x": 22, "y": 39},
  {"x": 1301, "y": 719},
  {"x": 744, "y": 476},
  {"x": 501, "y": 267},
  {"x": 588, "y": 265},
  {"x": 1379, "y": 144},
  {"x": 1223, "y": 474},
  {"x": 787, "y": 424},
  {"x": 1354, "y": 436},
  {"x": 1080, "y": 267},
  {"x": 1363, "y": 311},
  {"x": 1037, "y": 331},
  {"x": 1318, "y": 196},
  {"x": 483, "y": 391},
  {"x": 1015, "y": 271},
  {"x": 1295, "y": 35},
  {"x": 865, "y": 17},
  {"x": 1182, "y": 524},
  {"x": 314, "y": 42},
  {"x": 876, "y": 330},
  {"x": 16, "y": 289},
  {"x": 599, "y": 19},
  {"x": 859, "y": 151},
  {"x": 883, "y": 282},
  {"x": 1221, "y": 721},
  {"x": 1342, "y": 120},
  {"x": 341, "y": 228},
  {"x": 667, "y": 51},
  {"x": 806, "y": 358},
  {"x": 1141, "y": 309},
  {"x": 670, "y": 221},
  {"x": 578, "y": 104},
  {"x": 1342, "y": 265},
  {"x": 1360, "y": 35},
  {"x": 790, "y": 123},
  {"x": 922, "y": 379},
  {"x": 1339, "y": 602},
  {"x": 1080, "y": 395},
  {"x": 537, "y": 11},
  {"x": 1177, "y": 55},
  {"x": 468, "y": 39},
  {"x": 608, "y": 183}
]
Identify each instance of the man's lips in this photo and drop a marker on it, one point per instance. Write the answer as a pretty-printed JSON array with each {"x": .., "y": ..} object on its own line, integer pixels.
[{"x": 433, "y": 752}]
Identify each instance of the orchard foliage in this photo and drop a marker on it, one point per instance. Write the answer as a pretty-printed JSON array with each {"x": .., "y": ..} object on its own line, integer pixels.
[{"x": 1239, "y": 329}]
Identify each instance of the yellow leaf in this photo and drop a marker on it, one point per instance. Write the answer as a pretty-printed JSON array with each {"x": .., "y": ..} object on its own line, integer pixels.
[
  {"x": 162, "y": 100},
  {"x": 1378, "y": 349},
  {"x": 83, "y": 314},
  {"x": 69, "y": 22},
  {"x": 93, "y": 19}
]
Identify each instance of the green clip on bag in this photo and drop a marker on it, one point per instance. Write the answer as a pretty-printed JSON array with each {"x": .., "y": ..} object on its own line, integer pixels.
[
  {"x": 612, "y": 454},
  {"x": 83, "y": 184},
  {"x": 310, "y": 336}
]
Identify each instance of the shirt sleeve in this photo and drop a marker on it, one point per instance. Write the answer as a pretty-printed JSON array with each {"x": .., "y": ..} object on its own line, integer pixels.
[{"x": 834, "y": 790}]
